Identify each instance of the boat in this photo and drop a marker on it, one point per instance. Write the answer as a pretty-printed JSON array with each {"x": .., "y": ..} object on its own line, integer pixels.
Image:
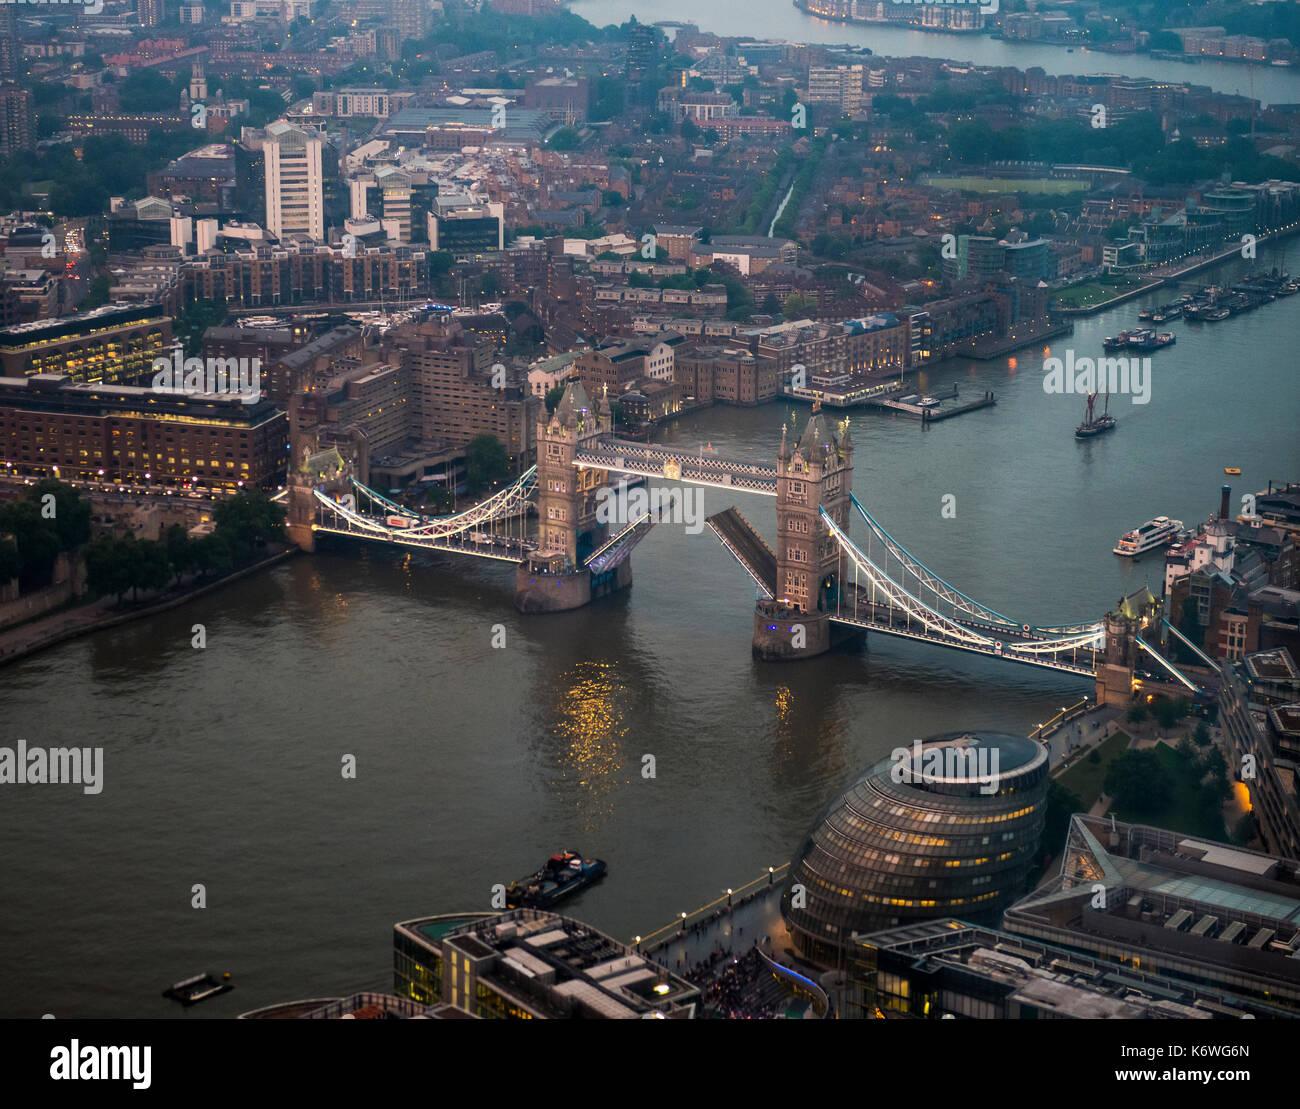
[
  {"x": 927, "y": 402},
  {"x": 561, "y": 876},
  {"x": 1214, "y": 315},
  {"x": 1117, "y": 342},
  {"x": 1234, "y": 470},
  {"x": 1146, "y": 313},
  {"x": 1154, "y": 533},
  {"x": 1095, "y": 425},
  {"x": 1151, "y": 340},
  {"x": 199, "y": 988}
]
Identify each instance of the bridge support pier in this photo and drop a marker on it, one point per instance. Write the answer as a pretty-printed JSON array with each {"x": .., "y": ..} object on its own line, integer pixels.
[
  {"x": 300, "y": 518},
  {"x": 540, "y": 589},
  {"x": 783, "y": 634},
  {"x": 1114, "y": 685}
]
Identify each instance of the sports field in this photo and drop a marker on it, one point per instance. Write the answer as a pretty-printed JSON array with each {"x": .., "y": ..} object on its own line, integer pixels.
[{"x": 1007, "y": 184}]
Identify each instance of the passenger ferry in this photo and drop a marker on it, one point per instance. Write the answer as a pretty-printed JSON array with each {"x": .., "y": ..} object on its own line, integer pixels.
[
  {"x": 1154, "y": 533},
  {"x": 561, "y": 876}
]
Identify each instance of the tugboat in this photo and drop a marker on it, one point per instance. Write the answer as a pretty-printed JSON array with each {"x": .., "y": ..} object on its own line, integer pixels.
[
  {"x": 561, "y": 876},
  {"x": 1095, "y": 425}
]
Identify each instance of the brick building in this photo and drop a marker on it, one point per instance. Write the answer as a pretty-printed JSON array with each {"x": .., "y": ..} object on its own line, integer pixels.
[{"x": 53, "y": 426}]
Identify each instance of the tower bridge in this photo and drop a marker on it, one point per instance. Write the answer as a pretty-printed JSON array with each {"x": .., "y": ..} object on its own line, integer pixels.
[{"x": 816, "y": 588}]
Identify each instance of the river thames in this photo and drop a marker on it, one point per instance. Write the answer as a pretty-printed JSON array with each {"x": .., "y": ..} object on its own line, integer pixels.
[
  {"x": 222, "y": 766},
  {"x": 780, "y": 19}
]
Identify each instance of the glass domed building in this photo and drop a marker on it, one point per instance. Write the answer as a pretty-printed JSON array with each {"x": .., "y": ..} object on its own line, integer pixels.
[{"x": 947, "y": 827}]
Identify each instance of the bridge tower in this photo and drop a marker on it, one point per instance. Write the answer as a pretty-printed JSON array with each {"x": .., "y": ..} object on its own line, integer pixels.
[
  {"x": 555, "y": 578},
  {"x": 310, "y": 468},
  {"x": 816, "y": 473},
  {"x": 1116, "y": 664}
]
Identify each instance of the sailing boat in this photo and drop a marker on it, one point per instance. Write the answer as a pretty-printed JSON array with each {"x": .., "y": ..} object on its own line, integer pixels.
[{"x": 1093, "y": 424}]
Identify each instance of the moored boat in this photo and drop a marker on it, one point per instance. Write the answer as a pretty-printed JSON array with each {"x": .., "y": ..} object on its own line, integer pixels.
[
  {"x": 561, "y": 876},
  {"x": 1154, "y": 533}
]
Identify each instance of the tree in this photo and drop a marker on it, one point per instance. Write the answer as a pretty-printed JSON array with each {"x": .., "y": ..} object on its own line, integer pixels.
[
  {"x": 797, "y": 306},
  {"x": 107, "y": 571},
  {"x": 148, "y": 566},
  {"x": 1061, "y": 805},
  {"x": 1137, "y": 713},
  {"x": 771, "y": 305},
  {"x": 10, "y": 562},
  {"x": 1202, "y": 734},
  {"x": 486, "y": 462},
  {"x": 566, "y": 138},
  {"x": 97, "y": 294},
  {"x": 37, "y": 541},
  {"x": 247, "y": 520},
  {"x": 553, "y": 398},
  {"x": 71, "y": 514},
  {"x": 1138, "y": 781},
  {"x": 1166, "y": 713},
  {"x": 212, "y": 554},
  {"x": 177, "y": 542}
]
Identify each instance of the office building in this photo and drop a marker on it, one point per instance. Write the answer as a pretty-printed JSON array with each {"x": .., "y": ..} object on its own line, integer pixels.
[
  {"x": 948, "y": 826},
  {"x": 1166, "y": 903},
  {"x": 51, "y": 426},
  {"x": 112, "y": 344},
  {"x": 528, "y": 964},
  {"x": 295, "y": 197},
  {"x": 458, "y": 391},
  {"x": 947, "y": 969}
]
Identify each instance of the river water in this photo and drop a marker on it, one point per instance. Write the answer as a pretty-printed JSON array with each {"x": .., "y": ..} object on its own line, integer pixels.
[
  {"x": 223, "y": 765},
  {"x": 780, "y": 19}
]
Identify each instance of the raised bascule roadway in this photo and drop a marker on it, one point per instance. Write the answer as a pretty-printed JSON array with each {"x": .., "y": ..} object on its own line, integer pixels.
[{"x": 816, "y": 588}]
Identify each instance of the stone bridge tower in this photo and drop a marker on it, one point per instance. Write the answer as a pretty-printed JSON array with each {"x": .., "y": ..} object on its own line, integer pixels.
[
  {"x": 816, "y": 473},
  {"x": 1115, "y": 665},
  {"x": 311, "y": 467},
  {"x": 555, "y": 578}
]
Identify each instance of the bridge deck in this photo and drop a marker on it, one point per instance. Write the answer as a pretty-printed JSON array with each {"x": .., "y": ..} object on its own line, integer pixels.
[
  {"x": 747, "y": 547},
  {"x": 901, "y": 631},
  {"x": 497, "y": 548},
  {"x": 655, "y": 461}
]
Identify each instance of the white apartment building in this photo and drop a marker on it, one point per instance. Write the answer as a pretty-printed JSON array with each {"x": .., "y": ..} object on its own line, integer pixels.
[{"x": 295, "y": 196}]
